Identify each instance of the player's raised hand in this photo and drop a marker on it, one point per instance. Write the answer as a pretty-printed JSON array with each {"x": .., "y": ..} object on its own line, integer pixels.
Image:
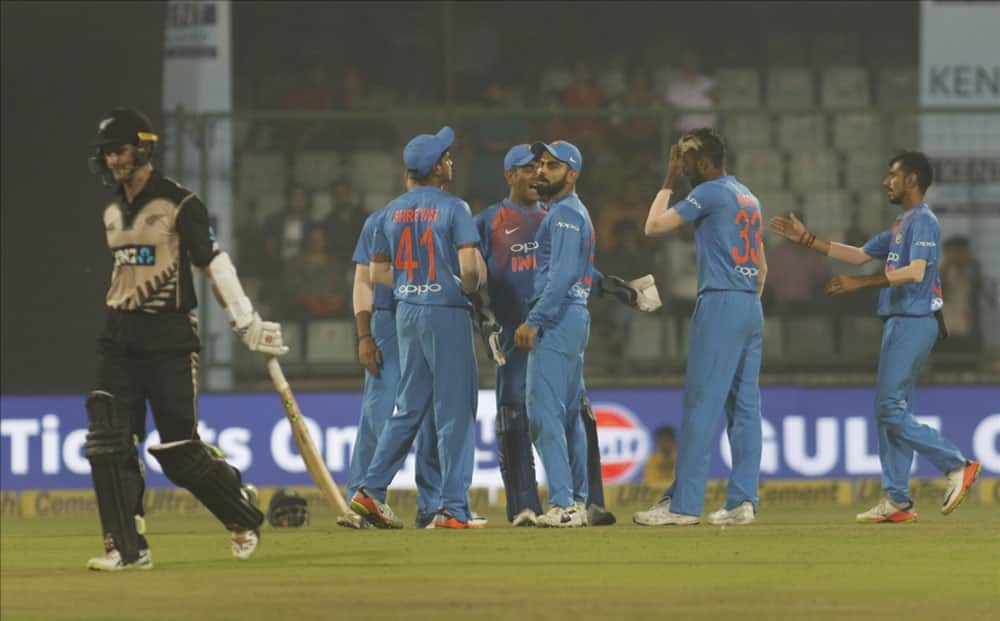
[
  {"x": 790, "y": 228},
  {"x": 675, "y": 166},
  {"x": 369, "y": 355}
]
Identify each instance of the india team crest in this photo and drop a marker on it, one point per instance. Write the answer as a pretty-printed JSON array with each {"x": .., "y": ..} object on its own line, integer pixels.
[
  {"x": 899, "y": 237},
  {"x": 624, "y": 442}
]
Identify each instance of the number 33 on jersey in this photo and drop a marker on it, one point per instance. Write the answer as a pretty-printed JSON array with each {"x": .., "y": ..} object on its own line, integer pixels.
[
  {"x": 420, "y": 232},
  {"x": 728, "y": 226}
]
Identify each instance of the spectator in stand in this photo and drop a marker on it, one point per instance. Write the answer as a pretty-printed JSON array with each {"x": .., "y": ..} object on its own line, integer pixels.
[
  {"x": 319, "y": 280},
  {"x": 659, "y": 469},
  {"x": 554, "y": 127},
  {"x": 362, "y": 133},
  {"x": 346, "y": 218},
  {"x": 691, "y": 89},
  {"x": 583, "y": 94},
  {"x": 315, "y": 91},
  {"x": 493, "y": 135},
  {"x": 795, "y": 278},
  {"x": 961, "y": 280},
  {"x": 637, "y": 129}
]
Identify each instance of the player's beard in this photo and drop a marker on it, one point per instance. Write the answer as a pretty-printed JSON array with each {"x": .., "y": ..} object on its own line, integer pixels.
[
  {"x": 895, "y": 198},
  {"x": 547, "y": 189}
]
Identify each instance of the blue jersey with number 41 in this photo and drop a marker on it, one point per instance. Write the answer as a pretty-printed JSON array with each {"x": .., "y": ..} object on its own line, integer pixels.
[
  {"x": 728, "y": 224},
  {"x": 420, "y": 233}
]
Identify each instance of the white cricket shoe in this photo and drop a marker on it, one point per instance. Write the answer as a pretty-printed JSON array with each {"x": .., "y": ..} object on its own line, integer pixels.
[
  {"x": 743, "y": 514},
  {"x": 661, "y": 515},
  {"x": 244, "y": 543},
  {"x": 959, "y": 481},
  {"x": 581, "y": 508},
  {"x": 478, "y": 521},
  {"x": 112, "y": 561},
  {"x": 526, "y": 517},
  {"x": 561, "y": 517},
  {"x": 887, "y": 512}
]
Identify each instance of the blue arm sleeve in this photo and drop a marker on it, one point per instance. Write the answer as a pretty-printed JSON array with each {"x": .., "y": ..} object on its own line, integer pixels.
[
  {"x": 380, "y": 243},
  {"x": 878, "y": 247},
  {"x": 697, "y": 204},
  {"x": 596, "y": 280},
  {"x": 564, "y": 270},
  {"x": 924, "y": 236},
  {"x": 463, "y": 228}
]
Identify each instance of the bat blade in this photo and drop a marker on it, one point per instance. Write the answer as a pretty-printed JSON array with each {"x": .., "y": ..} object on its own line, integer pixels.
[{"x": 307, "y": 447}]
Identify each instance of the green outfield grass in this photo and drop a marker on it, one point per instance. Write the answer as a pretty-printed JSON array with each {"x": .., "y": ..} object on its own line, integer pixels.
[{"x": 794, "y": 563}]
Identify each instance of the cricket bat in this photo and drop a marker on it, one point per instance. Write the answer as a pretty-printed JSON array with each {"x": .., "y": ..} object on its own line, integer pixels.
[{"x": 314, "y": 462}]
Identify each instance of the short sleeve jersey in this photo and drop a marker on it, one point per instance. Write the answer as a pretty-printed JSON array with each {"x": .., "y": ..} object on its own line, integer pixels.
[
  {"x": 507, "y": 241},
  {"x": 383, "y": 298},
  {"x": 154, "y": 241},
  {"x": 420, "y": 232},
  {"x": 916, "y": 234},
  {"x": 728, "y": 224}
]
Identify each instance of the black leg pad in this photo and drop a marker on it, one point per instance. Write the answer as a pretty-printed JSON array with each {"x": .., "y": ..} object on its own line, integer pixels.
[
  {"x": 117, "y": 476},
  {"x": 200, "y": 469},
  {"x": 517, "y": 462},
  {"x": 595, "y": 494}
]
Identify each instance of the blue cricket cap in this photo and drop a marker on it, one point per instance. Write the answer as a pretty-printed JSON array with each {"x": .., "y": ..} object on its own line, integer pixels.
[
  {"x": 519, "y": 155},
  {"x": 421, "y": 153},
  {"x": 562, "y": 151}
]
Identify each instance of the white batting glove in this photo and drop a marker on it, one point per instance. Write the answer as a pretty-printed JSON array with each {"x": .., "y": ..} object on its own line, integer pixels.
[
  {"x": 647, "y": 295},
  {"x": 263, "y": 336}
]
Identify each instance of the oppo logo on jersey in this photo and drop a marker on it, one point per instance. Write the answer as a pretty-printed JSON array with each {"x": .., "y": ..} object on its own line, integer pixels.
[
  {"x": 134, "y": 255},
  {"x": 749, "y": 272},
  {"x": 525, "y": 262},
  {"x": 418, "y": 289}
]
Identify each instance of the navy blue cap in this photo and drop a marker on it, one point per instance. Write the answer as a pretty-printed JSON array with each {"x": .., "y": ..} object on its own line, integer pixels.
[
  {"x": 562, "y": 151},
  {"x": 519, "y": 155},
  {"x": 423, "y": 152}
]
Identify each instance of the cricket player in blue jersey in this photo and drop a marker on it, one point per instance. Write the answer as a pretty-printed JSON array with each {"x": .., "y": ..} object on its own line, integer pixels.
[
  {"x": 910, "y": 303},
  {"x": 726, "y": 331},
  {"x": 507, "y": 242},
  {"x": 426, "y": 249},
  {"x": 378, "y": 353},
  {"x": 556, "y": 330}
]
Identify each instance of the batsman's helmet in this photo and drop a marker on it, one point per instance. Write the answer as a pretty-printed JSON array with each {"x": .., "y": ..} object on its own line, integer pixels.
[
  {"x": 287, "y": 510},
  {"x": 118, "y": 127}
]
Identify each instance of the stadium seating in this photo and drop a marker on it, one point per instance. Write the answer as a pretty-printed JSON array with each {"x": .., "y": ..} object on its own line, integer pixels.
[
  {"x": 897, "y": 86},
  {"x": 857, "y": 131},
  {"x": 774, "y": 337},
  {"x": 317, "y": 170},
  {"x": 760, "y": 169},
  {"x": 832, "y": 48},
  {"x": 811, "y": 336},
  {"x": 863, "y": 169},
  {"x": 811, "y": 170},
  {"x": 330, "y": 340},
  {"x": 828, "y": 212},
  {"x": 777, "y": 202},
  {"x": 375, "y": 170},
  {"x": 322, "y": 205},
  {"x": 261, "y": 173},
  {"x": 801, "y": 130},
  {"x": 789, "y": 88},
  {"x": 738, "y": 88},
  {"x": 648, "y": 338},
  {"x": 743, "y": 130},
  {"x": 844, "y": 88}
]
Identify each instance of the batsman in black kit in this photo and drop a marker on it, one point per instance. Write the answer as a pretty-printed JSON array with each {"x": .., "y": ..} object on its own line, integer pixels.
[{"x": 157, "y": 231}]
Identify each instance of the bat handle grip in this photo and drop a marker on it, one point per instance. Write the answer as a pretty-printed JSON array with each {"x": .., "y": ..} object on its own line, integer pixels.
[{"x": 277, "y": 376}]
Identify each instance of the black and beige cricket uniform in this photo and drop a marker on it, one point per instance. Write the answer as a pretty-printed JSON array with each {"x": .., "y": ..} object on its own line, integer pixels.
[{"x": 148, "y": 349}]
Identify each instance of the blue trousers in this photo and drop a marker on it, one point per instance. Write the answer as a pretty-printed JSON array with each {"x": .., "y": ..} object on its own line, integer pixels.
[
  {"x": 377, "y": 404},
  {"x": 438, "y": 380},
  {"x": 554, "y": 389},
  {"x": 906, "y": 343},
  {"x": 723, "y": 372}
]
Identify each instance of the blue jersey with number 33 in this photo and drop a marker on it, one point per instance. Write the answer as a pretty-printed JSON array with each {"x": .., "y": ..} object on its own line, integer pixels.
[
  {"x": 728, "y": 224},
  {"x": 420, "y": 233}
]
